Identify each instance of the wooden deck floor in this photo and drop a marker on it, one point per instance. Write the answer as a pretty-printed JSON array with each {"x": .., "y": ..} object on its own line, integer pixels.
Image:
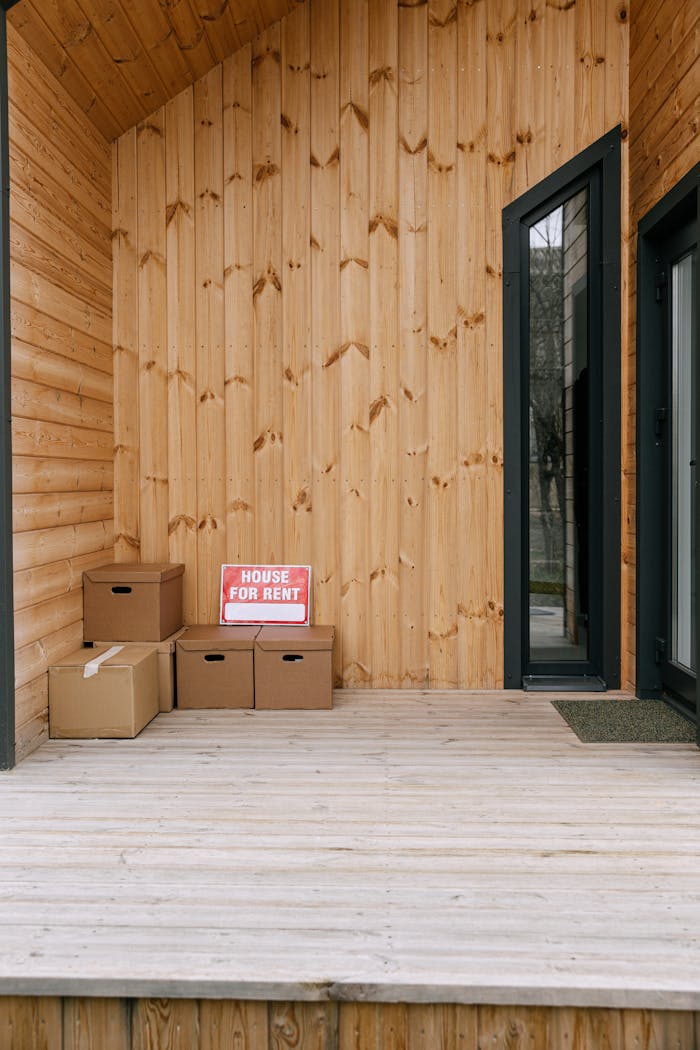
[{"x": 450, "y": 848}]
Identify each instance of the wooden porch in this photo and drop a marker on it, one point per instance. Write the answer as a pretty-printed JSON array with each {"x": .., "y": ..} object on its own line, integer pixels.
[{"x": 410, "y": 848}]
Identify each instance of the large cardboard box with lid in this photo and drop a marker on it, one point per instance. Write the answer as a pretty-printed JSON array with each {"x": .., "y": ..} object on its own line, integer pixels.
[
  {"x": 132, "y": 603},
  {"x": 103, "y": 693},
  {"x": 215, "y": 666},
  {"x": 293, "y": 668}
]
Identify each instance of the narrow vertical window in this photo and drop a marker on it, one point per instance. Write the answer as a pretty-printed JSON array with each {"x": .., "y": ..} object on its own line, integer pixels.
[{"x": 561, "y": 384}]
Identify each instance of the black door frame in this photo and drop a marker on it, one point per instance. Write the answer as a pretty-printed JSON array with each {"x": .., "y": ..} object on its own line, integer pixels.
[
  {"x": 680, "y": 206},
  {"x": 600, "y": 163},
  {"x": 7, "y": 658}
]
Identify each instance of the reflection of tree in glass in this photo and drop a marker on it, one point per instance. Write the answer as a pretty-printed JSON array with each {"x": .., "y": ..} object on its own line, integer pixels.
[{"x": 546, "y": 382}]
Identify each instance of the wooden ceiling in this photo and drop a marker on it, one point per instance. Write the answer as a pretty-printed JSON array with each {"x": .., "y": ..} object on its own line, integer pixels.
[{"x": 122, "y": 59}]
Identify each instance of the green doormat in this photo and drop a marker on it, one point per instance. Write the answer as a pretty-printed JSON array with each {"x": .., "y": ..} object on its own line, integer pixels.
[{"x": 613, "y": 721}]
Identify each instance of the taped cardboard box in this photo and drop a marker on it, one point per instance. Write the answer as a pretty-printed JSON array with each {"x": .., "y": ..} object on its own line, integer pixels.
[
  {"x": 165, "y": 651},
  {"x": 103, "y": 692},
  {"x": 215, "y": 667},
  {"x": 294, "y": 668},
  {"x": 132, "y": 603}
]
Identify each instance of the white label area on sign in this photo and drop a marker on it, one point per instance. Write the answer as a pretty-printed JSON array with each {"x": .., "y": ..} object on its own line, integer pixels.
[
  {"x": 265, "y": 594},
  {"x": 265, "y": 611}
]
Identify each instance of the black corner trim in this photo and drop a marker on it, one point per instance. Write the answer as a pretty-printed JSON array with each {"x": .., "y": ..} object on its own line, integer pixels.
[{"x": 7, "y": 657}]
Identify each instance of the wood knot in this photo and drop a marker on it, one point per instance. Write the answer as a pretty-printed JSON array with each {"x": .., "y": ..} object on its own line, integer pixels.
[
  {"x": 360, "y": 114},
  {"x": 387, "y": 223},
  {"x": 385, "y": 73},
  {"x": 209, "y": 522},
  {"x": 445, "y": 342},
  {"x": 148, "y": 127},
  {"x": 173, "y": 209},
  {"x": 472, "y": 321},
  {"x": 474, "y": 460},
  {"x": 300, "y": 500},
  {"x": 442, "y": 23},
  {"x": 438, "y": 166},
  {"x": 377, "y": 407},
  {"x": 265, "y": 171},
  {"x": 181, "y": 521},
  {"x": 501, "y": 159}
]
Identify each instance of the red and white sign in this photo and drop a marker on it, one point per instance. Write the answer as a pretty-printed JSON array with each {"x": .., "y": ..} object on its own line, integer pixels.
[{"x": 265, "y": 594}]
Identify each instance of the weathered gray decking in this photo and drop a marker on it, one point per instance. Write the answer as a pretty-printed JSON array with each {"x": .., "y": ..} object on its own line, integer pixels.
[{"x": 442, "y": 848}]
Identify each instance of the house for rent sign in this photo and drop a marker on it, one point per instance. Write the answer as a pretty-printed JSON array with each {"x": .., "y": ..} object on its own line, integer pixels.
[{"x": 265, "y": 594}]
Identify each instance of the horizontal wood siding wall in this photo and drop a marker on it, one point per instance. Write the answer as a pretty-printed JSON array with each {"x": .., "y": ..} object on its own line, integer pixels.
[
  {"x": 308, "y": 310},
  {"x": 62, "y": 396},
  {"x": 664, "y": 145},
  {"x": 164, "y": 1024}
]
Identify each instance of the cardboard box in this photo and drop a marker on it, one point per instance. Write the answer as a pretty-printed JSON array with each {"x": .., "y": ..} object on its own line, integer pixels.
[
  {"x": 93, "y": 694},
  {"x": 293, "y": 668},
  {"x": 165, "y": 652},
  {"x": 215, "y": 666},
  {"x": 133, "y": 603}
]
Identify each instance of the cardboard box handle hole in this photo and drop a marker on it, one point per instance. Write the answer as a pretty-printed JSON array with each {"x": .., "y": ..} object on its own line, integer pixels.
[
  {"x": 121, "y": 590},
  {"x": 213, "y": 657},
  {"x": 292, "y": 657}
]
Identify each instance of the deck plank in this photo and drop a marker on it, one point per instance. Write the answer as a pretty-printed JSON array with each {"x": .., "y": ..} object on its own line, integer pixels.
[{"x": 443, "y": 848}]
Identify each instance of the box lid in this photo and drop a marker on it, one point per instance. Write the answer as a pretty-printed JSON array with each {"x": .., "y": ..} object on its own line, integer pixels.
[
  {"x": 301, "y": 638},
  {"x": 129, "y": 656},
  {"x": 212, "y": 638},
  {"x": 131, "y": 572},
  {"x": 167, "y": 645}
]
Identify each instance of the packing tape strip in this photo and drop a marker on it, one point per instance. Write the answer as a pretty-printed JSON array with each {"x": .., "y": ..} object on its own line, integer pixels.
[{"x": 93, "y": 666}]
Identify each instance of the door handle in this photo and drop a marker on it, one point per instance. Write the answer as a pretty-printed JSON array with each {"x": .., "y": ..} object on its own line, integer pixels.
[{"x": 693, "y": 463}]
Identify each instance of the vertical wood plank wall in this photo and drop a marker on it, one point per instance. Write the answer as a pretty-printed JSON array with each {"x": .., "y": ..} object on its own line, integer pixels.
[
  {"x": 664, "y": 90},
  {"x": 62, "y": 397},
  {"x": 309, "y": 245},
  {"x": 191, "y": 1024}
]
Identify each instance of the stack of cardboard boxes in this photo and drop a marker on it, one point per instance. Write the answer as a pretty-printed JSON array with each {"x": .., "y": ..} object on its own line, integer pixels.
[{"x": 141, "y": 658}]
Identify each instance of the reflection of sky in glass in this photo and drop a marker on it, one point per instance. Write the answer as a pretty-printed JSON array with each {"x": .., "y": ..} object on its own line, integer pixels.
[{"x": 547, "y": 232}]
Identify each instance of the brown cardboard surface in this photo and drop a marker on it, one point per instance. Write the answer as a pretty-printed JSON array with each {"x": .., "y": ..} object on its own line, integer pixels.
[
  {"x": 135, "y": 572},
  {"x": 212, "y": 637},
  {"x": 293, "y": 668},
  {"x": 148, "y": 609},
  {"x": 117, "y": 702},
  {"x": 282, "y": 637},
  {"x": 215, "y": 667},
  {"x": 166, "y": 666}
]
